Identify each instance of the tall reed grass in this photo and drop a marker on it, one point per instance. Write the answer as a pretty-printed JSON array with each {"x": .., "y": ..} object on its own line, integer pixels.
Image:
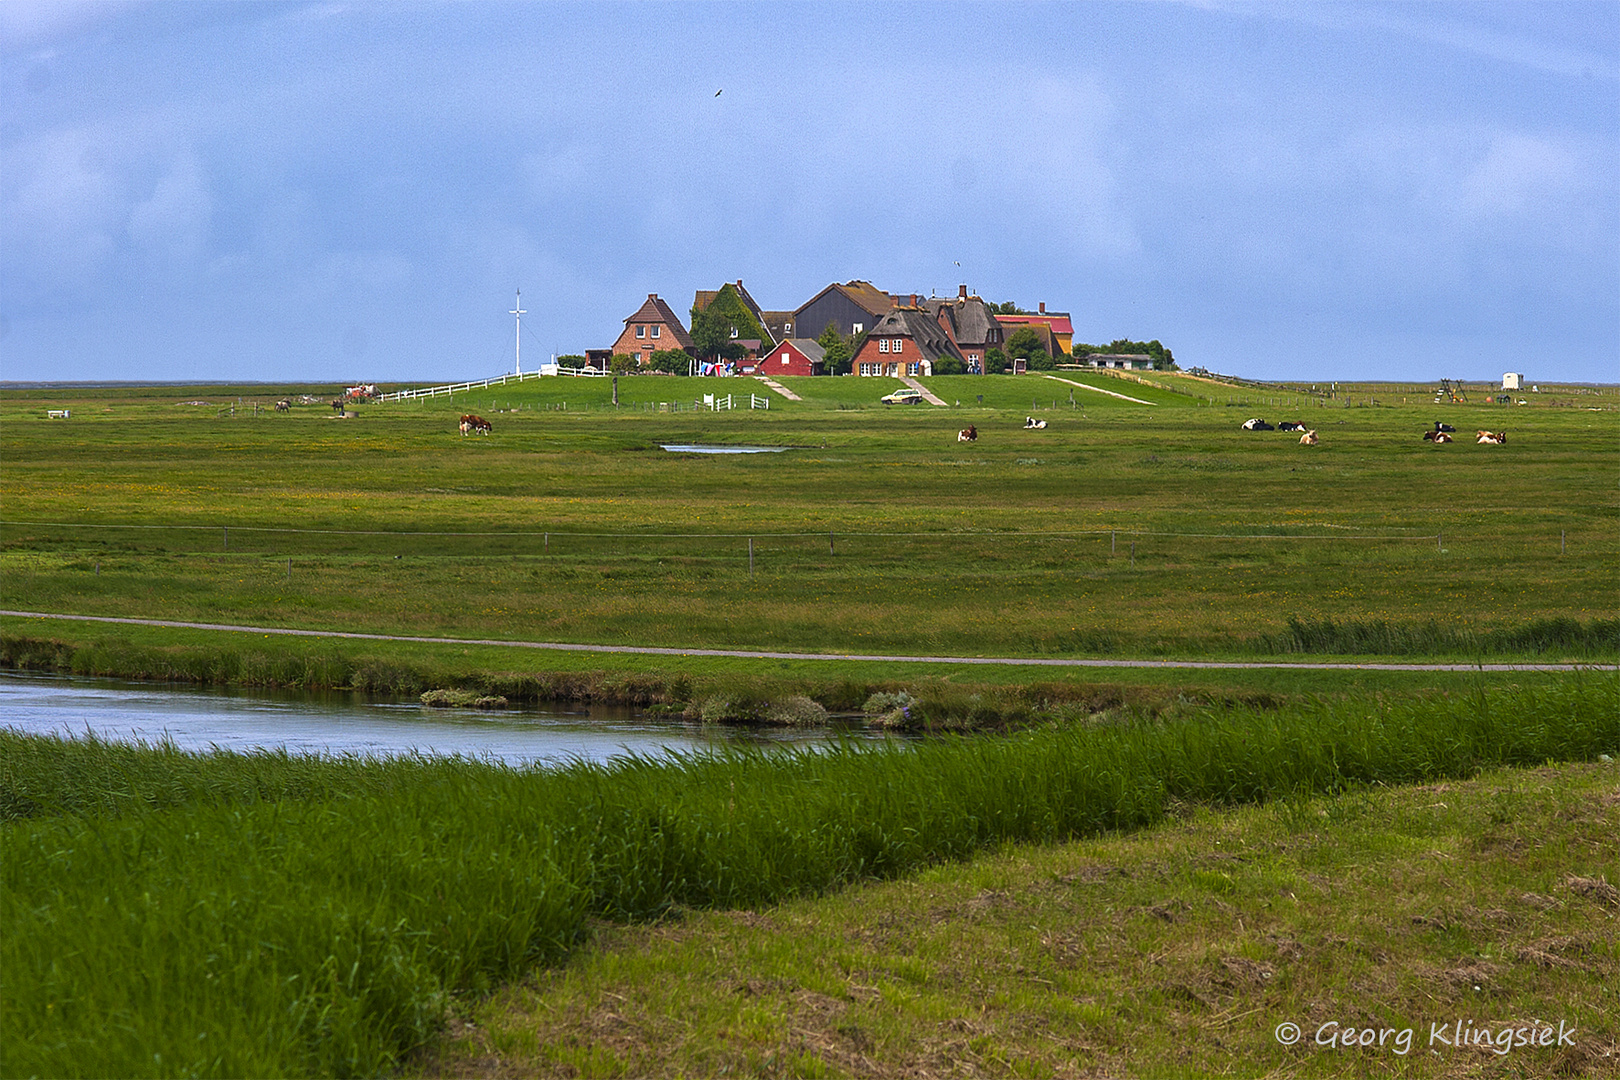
[{"x": 311, "y": 918}]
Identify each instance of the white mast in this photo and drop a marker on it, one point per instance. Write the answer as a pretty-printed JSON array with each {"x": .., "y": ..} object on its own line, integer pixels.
[{"x": 519, "y": 312}]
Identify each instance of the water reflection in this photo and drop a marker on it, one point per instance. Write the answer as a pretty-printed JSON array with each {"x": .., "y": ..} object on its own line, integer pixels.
[{"x": 343, "y": 723}]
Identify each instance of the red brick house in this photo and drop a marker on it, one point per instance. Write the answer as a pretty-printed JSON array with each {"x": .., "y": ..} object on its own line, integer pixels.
[
  {"x": 971, "y": 325},
  {"x": 1053, "y": 324},
  {"x": 653, "y": 328},
  {"x": 795, "y": 356},
  {"x": 906, "y": 341}
]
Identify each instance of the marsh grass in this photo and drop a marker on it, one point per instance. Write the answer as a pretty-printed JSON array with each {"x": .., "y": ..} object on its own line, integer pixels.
[
  {"x": 280, "y": 922},
  {"x": 1170, "y": 951}
]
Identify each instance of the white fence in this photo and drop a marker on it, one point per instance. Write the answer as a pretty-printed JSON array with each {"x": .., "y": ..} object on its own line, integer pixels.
[{"x": 712, "y": 402}]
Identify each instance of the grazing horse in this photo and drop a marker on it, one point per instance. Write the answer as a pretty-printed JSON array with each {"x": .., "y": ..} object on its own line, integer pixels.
[
  {"x": 968, "y": 434},
  {"x": 1032, "y": 424},
  {"x": 283, "y": 405},
  {"x": 1309, "y": 438},
  {"x": 1493, "y": 438}
]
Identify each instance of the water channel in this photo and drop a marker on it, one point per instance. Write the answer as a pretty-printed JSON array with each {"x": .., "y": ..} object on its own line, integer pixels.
[{"x": 341, "y": 723}]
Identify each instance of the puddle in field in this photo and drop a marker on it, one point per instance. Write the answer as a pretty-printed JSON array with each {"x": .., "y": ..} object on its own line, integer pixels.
[{"x": 699, "y": 448}]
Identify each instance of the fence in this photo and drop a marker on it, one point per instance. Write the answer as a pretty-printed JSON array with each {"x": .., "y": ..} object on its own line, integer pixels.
[{"x": 455, "y": 388}]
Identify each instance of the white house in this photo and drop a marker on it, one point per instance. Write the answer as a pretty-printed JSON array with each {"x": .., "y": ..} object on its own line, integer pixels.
[{"x": 1512, "y": 380}]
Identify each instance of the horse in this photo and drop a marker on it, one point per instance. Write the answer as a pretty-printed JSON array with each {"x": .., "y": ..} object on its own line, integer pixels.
[
  {"x": 968, "y": 434},
  {"x": 283, "y": 405}
]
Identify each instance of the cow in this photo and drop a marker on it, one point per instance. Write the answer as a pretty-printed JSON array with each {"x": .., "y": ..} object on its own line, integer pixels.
[
  {"x": 968, "y": 434},
  {"x": 1032, "y": 424},
  {"x": 1309, "y": 438},
  {"x": 283, "y": 405},
  {"x": 1438, "y": 426},
  {"x": 337, "y": 406},
  {"x": 1492, "y": 438},
  {"x": 471, "y": 423},
  {"x": 1256, "y": 424},
  {"x": 1436, "y": 437},
  {"x": 1290, "y": 425}
]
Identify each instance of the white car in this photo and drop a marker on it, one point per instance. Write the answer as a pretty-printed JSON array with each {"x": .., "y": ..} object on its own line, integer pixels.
[{"x": 903, "y": 397}]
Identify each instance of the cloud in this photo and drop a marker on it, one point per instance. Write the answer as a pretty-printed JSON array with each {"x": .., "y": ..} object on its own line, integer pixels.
[{"x": 173, "y": 222}]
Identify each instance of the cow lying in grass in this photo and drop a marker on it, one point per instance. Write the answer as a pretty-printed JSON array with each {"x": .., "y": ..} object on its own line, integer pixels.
[
  {"x": 1309, "y": 438},
  {"x": 471, "y": 423},
  {"x": 1492, "y": 438},
  {"x": 1436, "y": 437},
  {"x": 1290, "y": 425},
  {"x": 1256, "y": 424},
  {"x": 1032, "y": 424},
  {"x": 968, "y": 434}
]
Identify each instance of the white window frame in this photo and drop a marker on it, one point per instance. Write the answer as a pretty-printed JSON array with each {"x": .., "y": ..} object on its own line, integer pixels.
[
  {"x": 658, "y": 330},
  {"x": 641, "y": 331}
]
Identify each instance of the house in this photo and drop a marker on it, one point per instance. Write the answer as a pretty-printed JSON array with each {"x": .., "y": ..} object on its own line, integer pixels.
[
  {"x": 906, "y": 341},
  {"x": 795, "y": 356},
  {"x": 971, "y": 325},
  {"x": 1123, "y": 361},
  {"x": 1057, "y": 322},
  {"x": 1512, "y": 380},
  {"x": 778, "y": 324},
  {"x": 851, "y": 308},
  {"x": 748, "y": 329},
  {"x": 653, "y": 328}
]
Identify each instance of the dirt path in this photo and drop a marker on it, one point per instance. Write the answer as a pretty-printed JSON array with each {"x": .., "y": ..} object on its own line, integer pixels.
[
  {"x": 779, "y": 388},
  {"x": 748, "y": 654},
  {"x": 928, "y": 395},
  {"x": 1098, "y": 390}
]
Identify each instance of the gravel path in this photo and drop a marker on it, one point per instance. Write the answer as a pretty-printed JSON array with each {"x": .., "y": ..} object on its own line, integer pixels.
[{"x": 750, "y": 654}]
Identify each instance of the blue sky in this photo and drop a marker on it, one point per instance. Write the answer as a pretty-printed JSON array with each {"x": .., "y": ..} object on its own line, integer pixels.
[{"x": 353, "y": 191}]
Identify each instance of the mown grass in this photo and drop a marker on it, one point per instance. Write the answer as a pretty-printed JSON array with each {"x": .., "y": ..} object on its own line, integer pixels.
[
  {"x": 271, "y": 924},
  {"x": 1174, "y": 951}
]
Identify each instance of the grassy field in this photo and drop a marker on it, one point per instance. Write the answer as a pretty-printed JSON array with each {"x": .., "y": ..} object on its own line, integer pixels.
[
  {"x": 169, "y": 914},
  {"x": 1122, "y": 529},
  {"x": 1172, "y": 952}
]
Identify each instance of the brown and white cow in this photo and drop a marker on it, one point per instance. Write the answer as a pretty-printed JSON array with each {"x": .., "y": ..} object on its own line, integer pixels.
[
  {"x": 471, "y": 423},
  {"x": 1309, "y": 438},
  {"x": 968, "y": 434},
  {"x": 1436, "y": 437},
  {"x": 1492, "y": 438}
]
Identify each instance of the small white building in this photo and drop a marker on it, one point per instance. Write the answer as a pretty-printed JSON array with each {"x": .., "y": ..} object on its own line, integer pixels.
[{"x": 1512, "y": 380}]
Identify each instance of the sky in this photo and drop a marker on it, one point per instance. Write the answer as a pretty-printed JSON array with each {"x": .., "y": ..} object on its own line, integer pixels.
[{"x": 345, "y": 192}]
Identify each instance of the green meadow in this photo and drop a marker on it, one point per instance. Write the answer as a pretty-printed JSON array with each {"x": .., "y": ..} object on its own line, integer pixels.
[
  {"x": 173, "y": 914},
  {"x": 1122, "y": 529}
]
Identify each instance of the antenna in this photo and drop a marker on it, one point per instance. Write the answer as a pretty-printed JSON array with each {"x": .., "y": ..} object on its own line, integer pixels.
[{"x": 519, "y": 312}]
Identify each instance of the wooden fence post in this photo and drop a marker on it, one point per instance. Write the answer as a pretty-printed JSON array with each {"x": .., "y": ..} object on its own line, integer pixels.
[
  {"x": 830, "y": 550},
  {"x": 750, "y": 556},
  {"x": 227, "y": 530}
]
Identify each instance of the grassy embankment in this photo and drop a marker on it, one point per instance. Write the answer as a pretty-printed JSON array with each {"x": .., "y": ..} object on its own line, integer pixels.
[
  {"x": 1121, "y": 530},
  {"x": 167, "y": 914}
]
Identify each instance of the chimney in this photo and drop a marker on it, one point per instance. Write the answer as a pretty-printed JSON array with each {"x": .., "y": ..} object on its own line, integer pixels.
[
  {"x": 961, "y": 292},
  {"x": 652, "y": 296},
  {"x": 916, "y": 301},
  {"x": 1043, "y": 307}
]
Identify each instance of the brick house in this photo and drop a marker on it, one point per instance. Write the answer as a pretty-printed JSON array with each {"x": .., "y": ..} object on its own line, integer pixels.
[
  {"x": 971, "y": 325},
  {"x": 905, "y": 341},
  {"x": 653, "y": 328},
  {"x": 795, "y": 356}
]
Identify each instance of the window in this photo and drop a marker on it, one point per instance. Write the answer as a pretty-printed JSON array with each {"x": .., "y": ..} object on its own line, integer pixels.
[
  {"x": 733, "y": 331},
  {"x": 883, "y": 344},
  {"x": 787, "y": 329},
  {"x": 641, "y": 331},
  {"x": 911, "y": 369},
  {"x": 658, "y": 331},
  {"x": 785, "y": 356},
  {"x": 866, "y": 369},
  {"x": 856, "y": 328},
  {"x": 894, "y": 369}
]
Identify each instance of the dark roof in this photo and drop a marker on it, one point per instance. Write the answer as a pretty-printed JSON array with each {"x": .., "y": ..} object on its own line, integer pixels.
[
  {"x": 973, "y": 324},
  {"x": 810, "y": 347},
  {"x": 777, "y": 322},
  {"x": 655, "y": 310},
  {"x": 862, "y": 294},
  {"x": 921, "y": 327}
]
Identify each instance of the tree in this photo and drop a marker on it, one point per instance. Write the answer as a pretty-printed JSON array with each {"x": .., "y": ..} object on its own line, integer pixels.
[
  {"x": 716, "y": 329},
  {"x": 949, "y": 365},
  {"x": 837, "y": 349},
  {"x": 672, "y": 361},
  {"x": 995, "y": 362},
  {"x": 1007, "y": 307},
  {"x": 1040, "y": 360},
  {"x": 622, "y": 364},
  {"x": 1024, "y": 343}
]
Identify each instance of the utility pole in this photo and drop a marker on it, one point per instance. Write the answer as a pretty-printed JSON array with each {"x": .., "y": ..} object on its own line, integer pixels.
[{"x": 518, "y": 311}]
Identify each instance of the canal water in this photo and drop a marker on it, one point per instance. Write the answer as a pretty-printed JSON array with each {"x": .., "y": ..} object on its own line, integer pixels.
[{"x": 345, "y": 724}]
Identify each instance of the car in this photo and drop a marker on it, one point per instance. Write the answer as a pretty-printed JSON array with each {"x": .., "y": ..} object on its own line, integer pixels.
[{"x": 903, "y": 397}]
